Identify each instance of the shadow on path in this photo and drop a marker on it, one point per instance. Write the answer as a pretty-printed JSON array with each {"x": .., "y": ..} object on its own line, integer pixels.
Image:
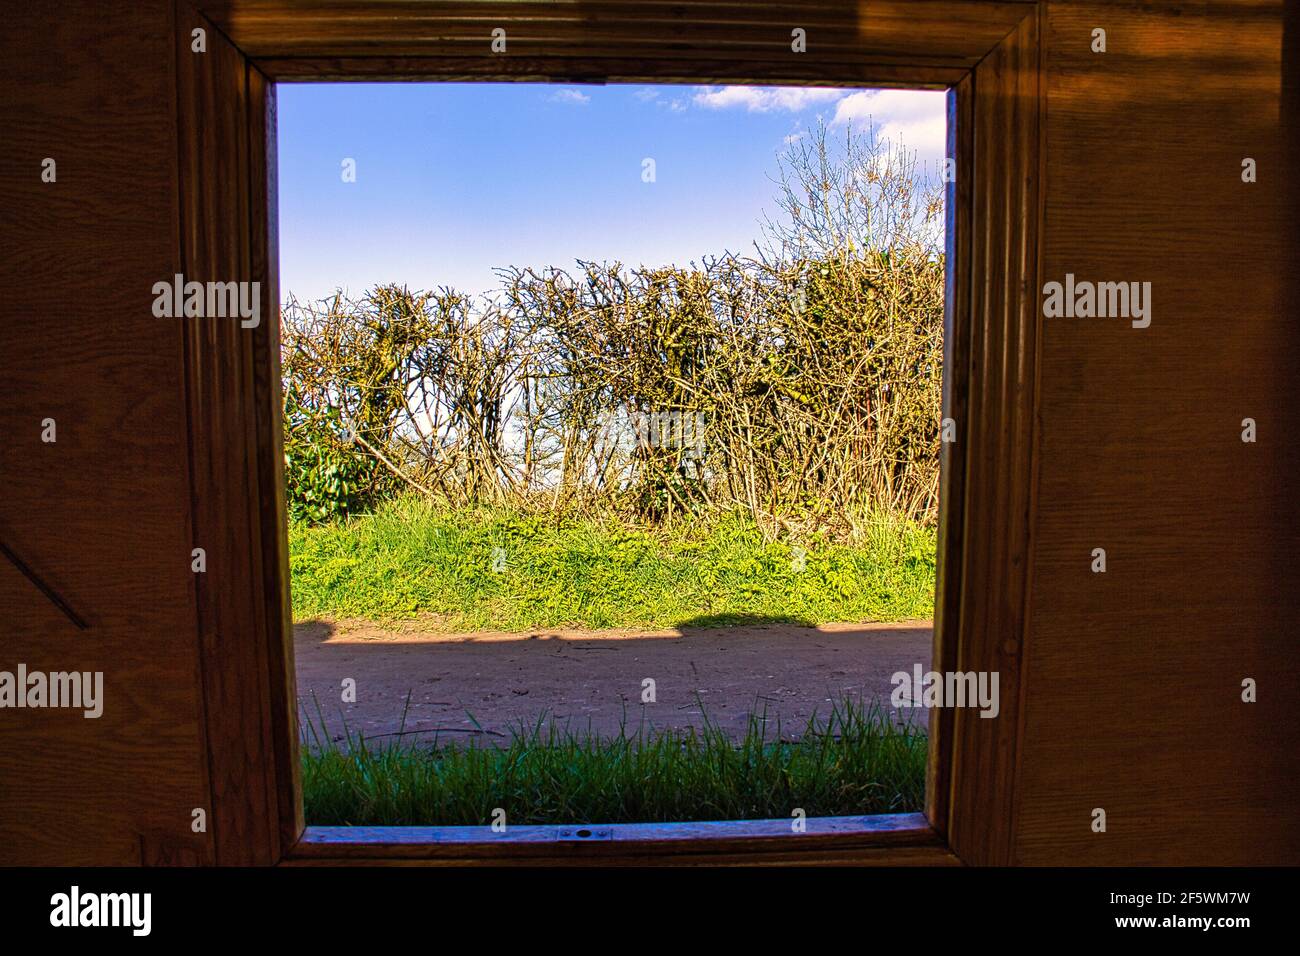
[{"x": 595, "y": 679}]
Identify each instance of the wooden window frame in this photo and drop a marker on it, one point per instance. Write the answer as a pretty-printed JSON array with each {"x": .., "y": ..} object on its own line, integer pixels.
[{"x": 985, "y": 52}]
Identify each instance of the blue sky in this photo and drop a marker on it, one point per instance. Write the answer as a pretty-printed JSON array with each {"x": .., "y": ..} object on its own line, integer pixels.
[{"x": 454, "y": 178}]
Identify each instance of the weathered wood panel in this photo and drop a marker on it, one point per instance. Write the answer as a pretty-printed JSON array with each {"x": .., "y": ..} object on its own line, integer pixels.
[
  {"x": 232, "y": 371},
  {"x": 912, "y": 31},
  {"x": 984, "y": 631},
  {"x": 102, "y": 514},
  {"x": 1133, "y": 699}
]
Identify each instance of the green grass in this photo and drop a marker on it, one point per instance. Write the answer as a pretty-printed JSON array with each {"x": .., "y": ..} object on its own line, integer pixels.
[
  {"x": 855, "y": 761},
  {"x": 485, "y": 569}
]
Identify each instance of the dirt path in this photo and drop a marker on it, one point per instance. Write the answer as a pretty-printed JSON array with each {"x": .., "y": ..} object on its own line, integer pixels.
[{"x": 595, "y": 677}]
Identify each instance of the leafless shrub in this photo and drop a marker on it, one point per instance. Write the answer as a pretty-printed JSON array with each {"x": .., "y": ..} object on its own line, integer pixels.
[{"x": 809, "y": 371}]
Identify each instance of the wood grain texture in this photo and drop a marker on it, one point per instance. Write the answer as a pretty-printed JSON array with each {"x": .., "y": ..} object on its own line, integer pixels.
[
  {"x": 710, "y": 70},
  {"x": 992, "y": 402},
  {"x": 713, "y": 855},
  {"x": 994, "y": 355},
  {"x": 273, "y": 518},
  {"x": 232, "y": 380},
  {"x": 1134, "y": 676},
  {"x": 950, "y": 533},
  {"x": 893, "y": 838},
  {"x": 100, "y": 514},
  {"x": 911, "y": 31}
]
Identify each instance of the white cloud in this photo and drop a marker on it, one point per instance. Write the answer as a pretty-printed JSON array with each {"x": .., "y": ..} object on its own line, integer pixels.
[
  {"x": 916, "y": 119},
  {"x": 763, "y": 99},
  {"x": 570, "y": 96}
]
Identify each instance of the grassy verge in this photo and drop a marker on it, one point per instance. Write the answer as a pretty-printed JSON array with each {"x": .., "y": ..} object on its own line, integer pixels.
[
  {"x": 856, "y": 761},
  {"x": 501, "y": 570}
]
